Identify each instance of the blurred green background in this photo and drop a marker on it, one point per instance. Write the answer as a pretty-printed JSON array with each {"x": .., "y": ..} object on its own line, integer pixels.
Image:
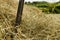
[{"x": 53, "y": 8}]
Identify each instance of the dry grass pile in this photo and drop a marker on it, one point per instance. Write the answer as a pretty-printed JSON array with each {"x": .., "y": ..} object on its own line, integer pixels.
[{"x": 35, "y": 25}]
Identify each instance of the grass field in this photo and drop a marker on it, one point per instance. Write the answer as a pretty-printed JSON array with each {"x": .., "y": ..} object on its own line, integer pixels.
[
  {"x": 35, "y": 24},
  {"x": 46, "y": 7}
]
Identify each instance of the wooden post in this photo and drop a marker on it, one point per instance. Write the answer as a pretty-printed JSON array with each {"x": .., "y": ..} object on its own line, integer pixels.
[{"x": 19, "y": 12}]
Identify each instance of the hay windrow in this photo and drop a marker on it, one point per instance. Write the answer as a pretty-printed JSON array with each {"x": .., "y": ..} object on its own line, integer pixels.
[{"x": 35, "y": 25}]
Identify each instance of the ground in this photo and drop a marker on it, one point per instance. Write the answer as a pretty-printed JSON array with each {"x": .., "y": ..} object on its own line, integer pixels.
[{"x": 35, "y": 24}]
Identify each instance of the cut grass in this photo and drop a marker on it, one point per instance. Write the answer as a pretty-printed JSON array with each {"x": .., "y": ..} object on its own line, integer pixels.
[{"x": 35, "y": 25}]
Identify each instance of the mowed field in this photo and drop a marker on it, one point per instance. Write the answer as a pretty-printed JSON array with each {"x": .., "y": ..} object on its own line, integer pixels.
[{"x": 35, "y": 24}]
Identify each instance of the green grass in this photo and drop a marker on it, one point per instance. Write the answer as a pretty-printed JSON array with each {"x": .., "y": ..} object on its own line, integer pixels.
[{"x": 47, "y": 7}]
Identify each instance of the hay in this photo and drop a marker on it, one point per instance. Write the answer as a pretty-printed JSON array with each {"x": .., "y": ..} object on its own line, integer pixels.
[{"x": 35, "y": 25}]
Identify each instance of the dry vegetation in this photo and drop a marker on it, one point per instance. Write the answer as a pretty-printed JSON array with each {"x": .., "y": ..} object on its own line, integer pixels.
[{"x": 35, "y": 25}]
